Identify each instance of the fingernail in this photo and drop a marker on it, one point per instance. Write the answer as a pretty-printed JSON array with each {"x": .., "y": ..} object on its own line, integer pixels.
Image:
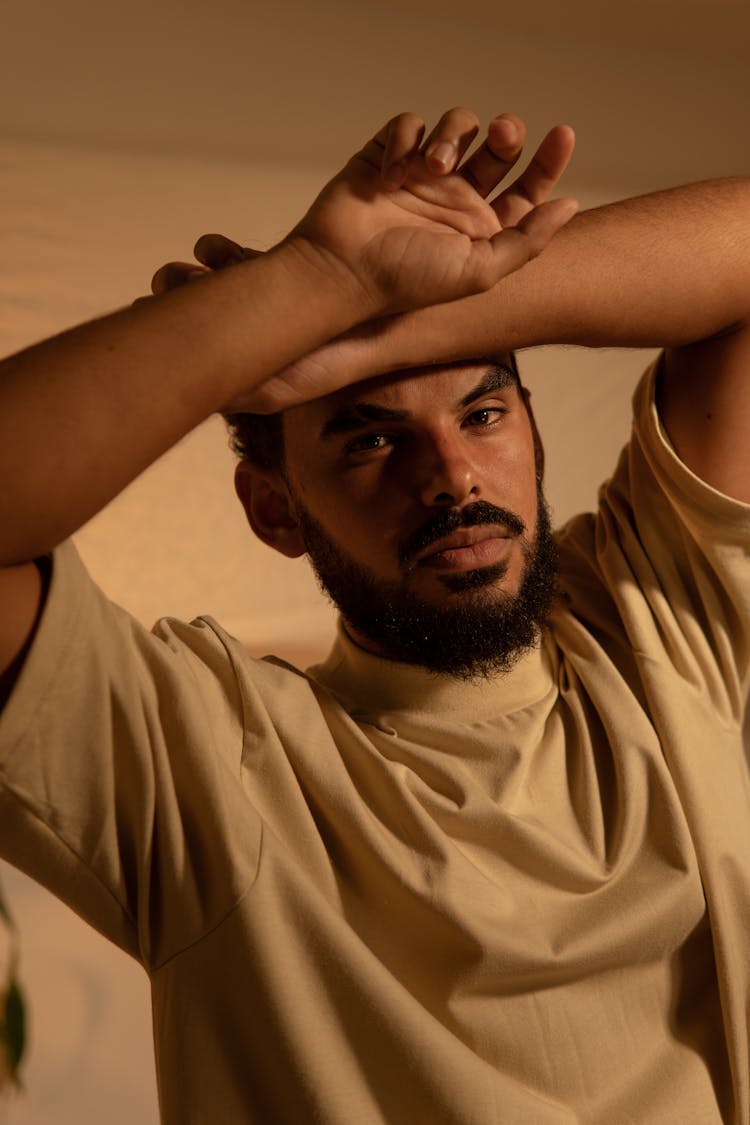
[
  {"x": 509, "y": 127},
  {"x": 443, "y": 154}
]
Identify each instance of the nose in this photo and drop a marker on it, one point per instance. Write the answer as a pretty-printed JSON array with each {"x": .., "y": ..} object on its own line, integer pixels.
[{"x": 448, "y": 476}]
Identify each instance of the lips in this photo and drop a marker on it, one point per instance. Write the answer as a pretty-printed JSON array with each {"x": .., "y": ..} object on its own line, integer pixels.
[
  {"x": 465, "y": 549},
  {"x": 459, "y": 529}
]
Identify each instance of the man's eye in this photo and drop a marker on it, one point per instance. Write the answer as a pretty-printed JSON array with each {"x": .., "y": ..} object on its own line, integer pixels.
[
  {"x": 485, "y": 417},
  {"x": 367, "y": 442}
]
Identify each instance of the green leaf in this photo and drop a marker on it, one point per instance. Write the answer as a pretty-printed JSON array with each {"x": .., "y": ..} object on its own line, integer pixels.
[{"x": 14, "y": 1029}]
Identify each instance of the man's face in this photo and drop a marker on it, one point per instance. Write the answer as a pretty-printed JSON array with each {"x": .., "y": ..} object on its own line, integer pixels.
[{"x": 418, "y": 500}]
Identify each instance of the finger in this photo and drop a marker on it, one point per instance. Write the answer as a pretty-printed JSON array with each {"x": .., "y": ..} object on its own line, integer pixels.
[
  {"x": 540, "y": 178},
  {"x": 175, "y": 274},
  {"x": 450, "y": 139},
  {"x": 395, "y": 147},
  {"x": 491, "y": 162},
  {"x": 217, "y": 251},
  {"x": 543, "y": 223},
  {"x": 516, "y": 245}
]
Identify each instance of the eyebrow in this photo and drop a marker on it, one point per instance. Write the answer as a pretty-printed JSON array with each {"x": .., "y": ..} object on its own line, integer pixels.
[
  {"x": 497, "y": 378},
  {"x": 359, "y": 415}
]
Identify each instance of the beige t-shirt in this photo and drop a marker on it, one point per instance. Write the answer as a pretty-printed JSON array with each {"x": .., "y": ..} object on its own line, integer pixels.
[{"x": 370, "y": 895}]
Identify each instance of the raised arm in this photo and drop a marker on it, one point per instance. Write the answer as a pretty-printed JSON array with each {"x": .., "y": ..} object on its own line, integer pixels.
[
  {"x": 82, "y": 414},
  {"x": 668, "y": 270}
]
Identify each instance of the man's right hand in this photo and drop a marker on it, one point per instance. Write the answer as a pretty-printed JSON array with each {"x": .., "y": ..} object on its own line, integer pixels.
[
  {"x": 406, "y": 224},
  {"x": 410, "y": 230},
  {"x": 523, "y": 204}
]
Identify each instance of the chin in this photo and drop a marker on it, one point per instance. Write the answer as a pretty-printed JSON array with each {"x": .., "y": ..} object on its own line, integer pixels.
[
  {"x": 486, "y": 578},
  {"x": 467, "y": 623}
]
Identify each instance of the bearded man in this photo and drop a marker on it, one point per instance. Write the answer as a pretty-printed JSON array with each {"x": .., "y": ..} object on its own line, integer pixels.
[{"x": 488, "y": 861}]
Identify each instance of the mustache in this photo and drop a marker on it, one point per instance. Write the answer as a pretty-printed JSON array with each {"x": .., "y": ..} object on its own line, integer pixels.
[{"x": 448, "y": 520}]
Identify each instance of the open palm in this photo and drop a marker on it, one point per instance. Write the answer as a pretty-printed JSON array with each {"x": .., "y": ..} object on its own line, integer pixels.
[
  {"x": 429, "y": 235},
  {"x": 409, "y": 223}
]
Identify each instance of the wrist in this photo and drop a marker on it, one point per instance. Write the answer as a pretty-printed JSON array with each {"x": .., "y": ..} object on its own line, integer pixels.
[
  {"x": 331, "y": 278},
  {"x": 273, "y": 309}
]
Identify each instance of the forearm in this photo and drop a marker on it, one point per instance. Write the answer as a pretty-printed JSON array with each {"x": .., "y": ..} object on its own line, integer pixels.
[
  {"x": 84, "y": 413},
  {"x": 662, "y": 270}
]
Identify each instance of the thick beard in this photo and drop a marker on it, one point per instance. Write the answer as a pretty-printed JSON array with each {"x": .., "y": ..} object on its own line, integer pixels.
[{"x": 477, "y": 633}]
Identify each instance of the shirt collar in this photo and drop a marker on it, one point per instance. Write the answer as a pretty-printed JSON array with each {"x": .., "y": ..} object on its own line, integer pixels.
[{"x": 366, "y": 684}]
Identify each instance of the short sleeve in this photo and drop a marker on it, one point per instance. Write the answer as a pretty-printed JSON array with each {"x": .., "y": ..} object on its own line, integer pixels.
[
  {"x": 120, "y": 770},
  {"x": 663, "y": 568}
]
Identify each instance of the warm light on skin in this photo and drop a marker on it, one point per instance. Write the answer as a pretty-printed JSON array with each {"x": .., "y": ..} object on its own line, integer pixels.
[{"x": 374, "y": 462}]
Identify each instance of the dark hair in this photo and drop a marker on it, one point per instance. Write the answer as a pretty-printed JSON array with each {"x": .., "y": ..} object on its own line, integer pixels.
[{"x": 259, "y": 438}]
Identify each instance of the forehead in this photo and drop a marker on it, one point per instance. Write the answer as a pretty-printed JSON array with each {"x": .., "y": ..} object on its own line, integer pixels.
[{"x": 421, "y": 390}]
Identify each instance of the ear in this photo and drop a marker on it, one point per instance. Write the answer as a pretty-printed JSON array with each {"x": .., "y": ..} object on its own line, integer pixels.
[
  {"x": 538, "y": 447},
  {"x": 264, "y": 496}
]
